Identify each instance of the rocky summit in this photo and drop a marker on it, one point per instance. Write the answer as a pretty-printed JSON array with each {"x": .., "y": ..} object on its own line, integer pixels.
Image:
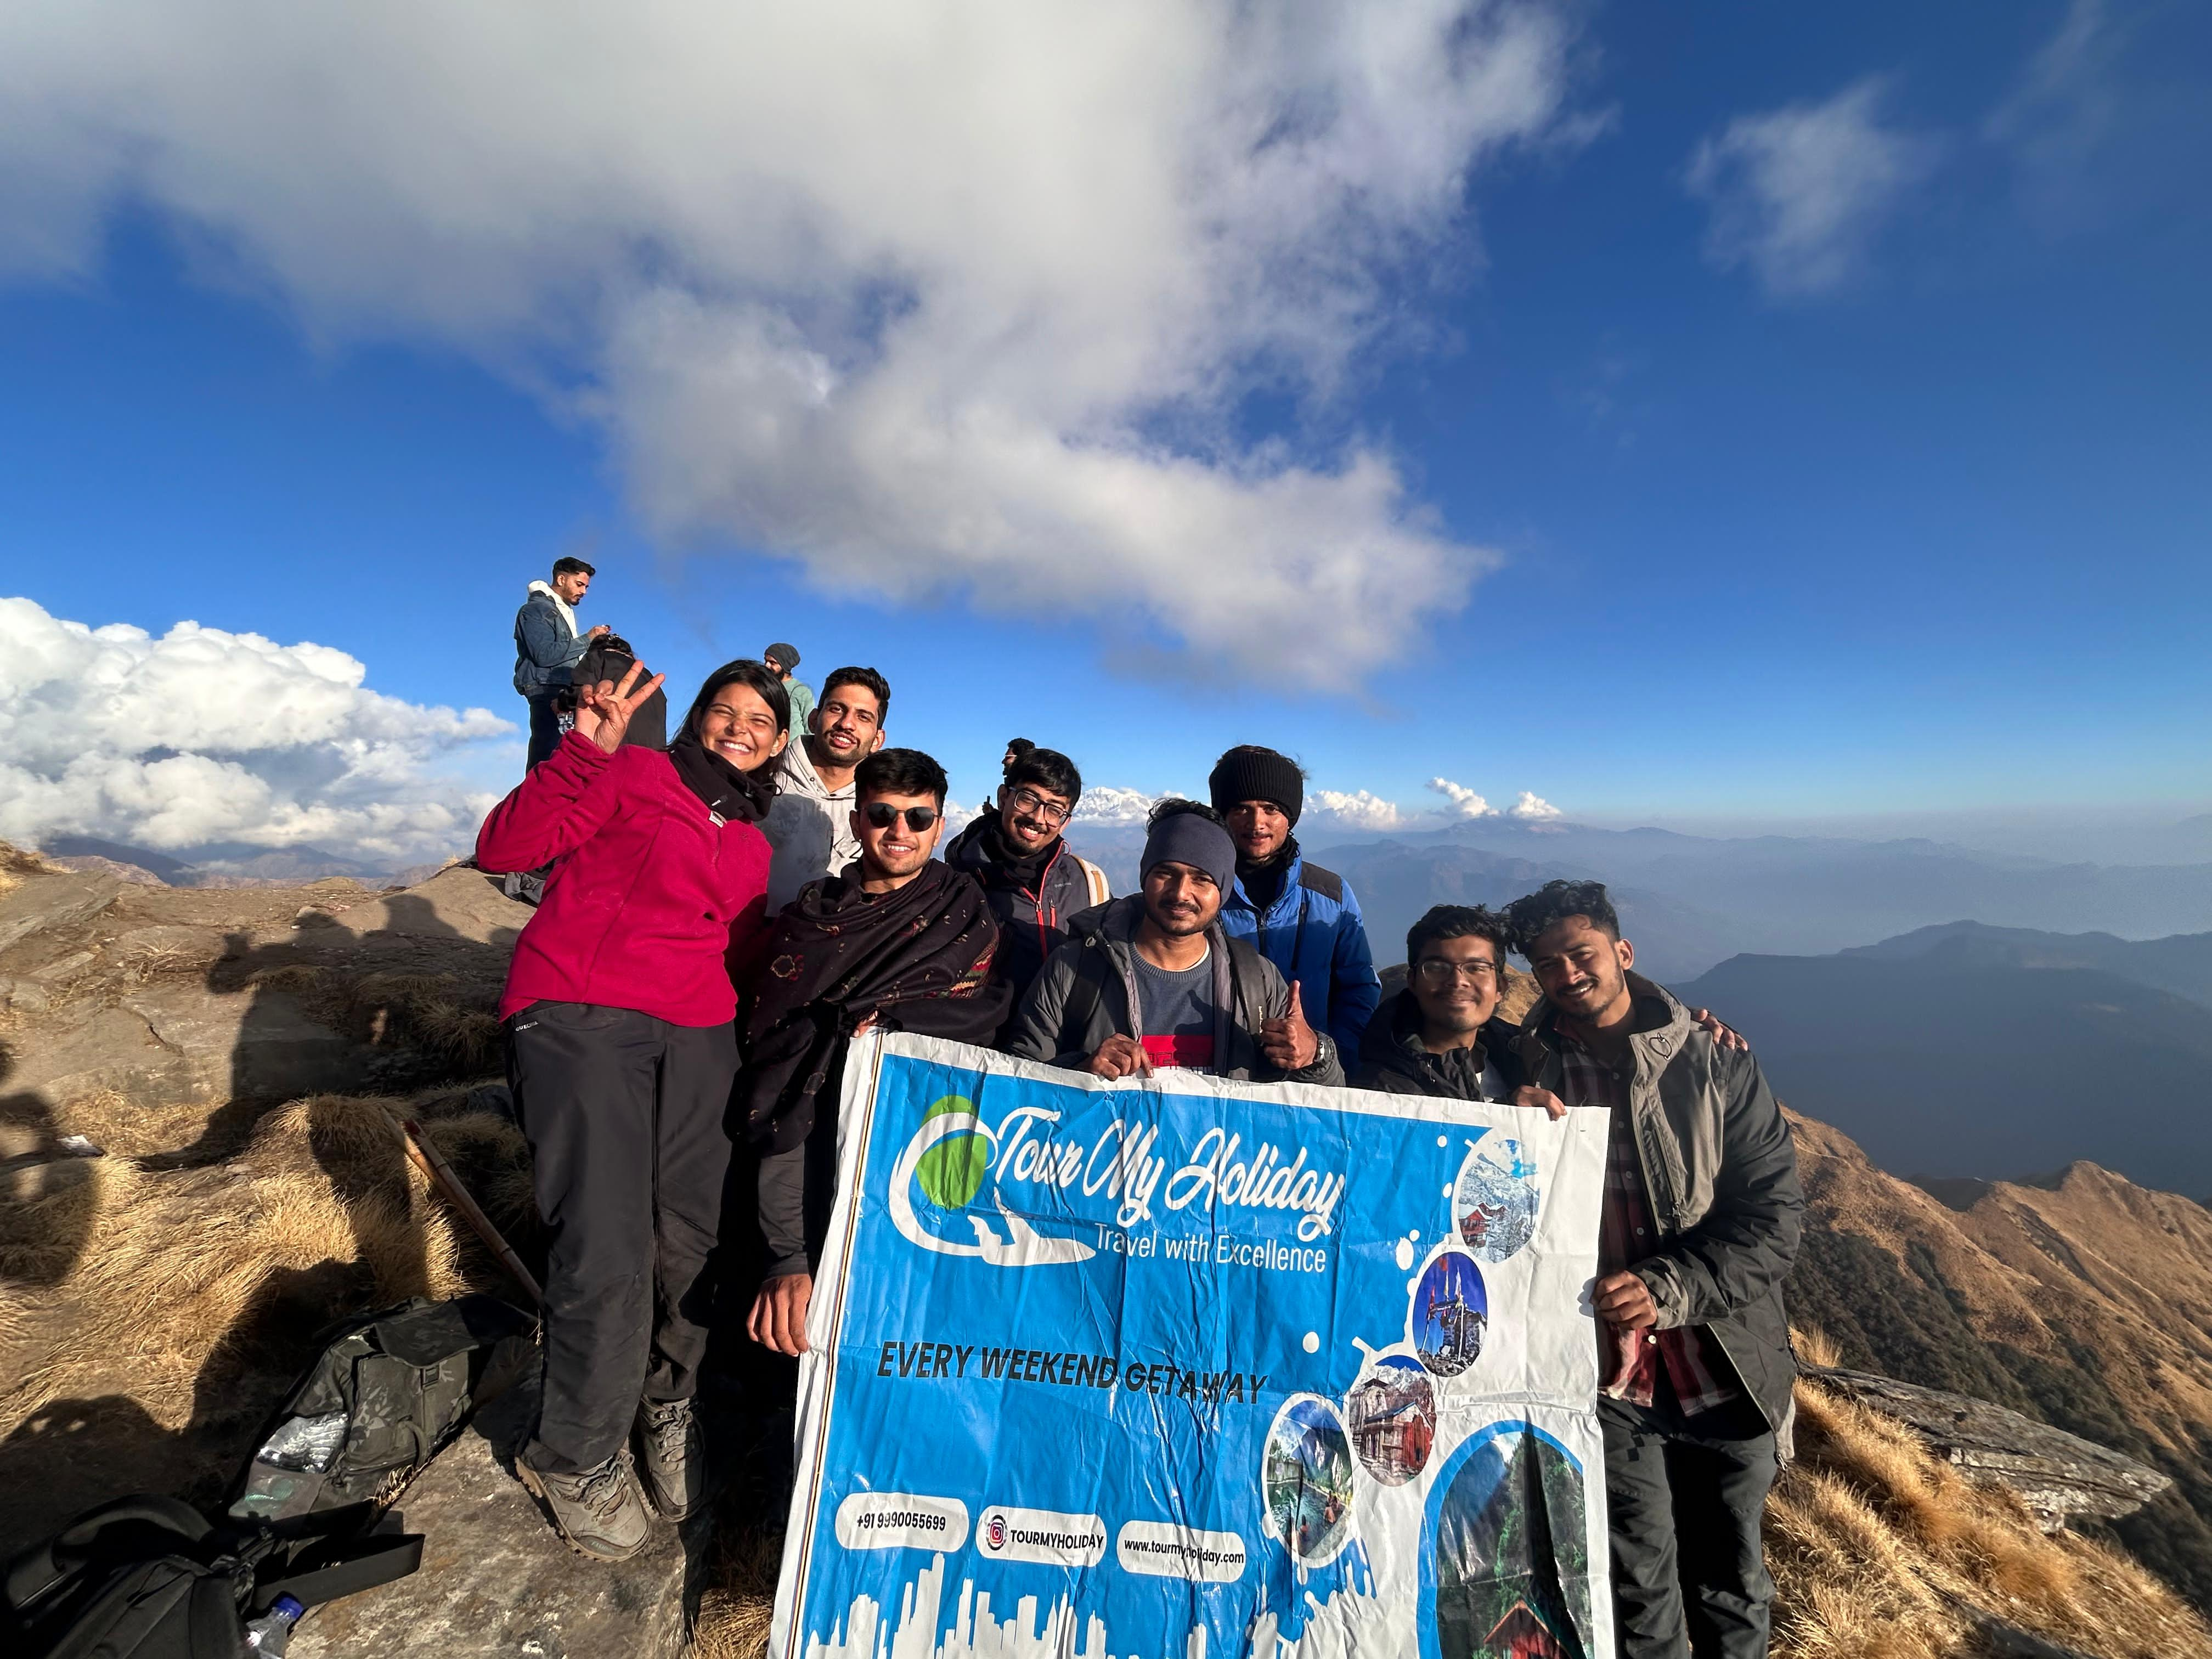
[{"x": 200, "y": 1170}]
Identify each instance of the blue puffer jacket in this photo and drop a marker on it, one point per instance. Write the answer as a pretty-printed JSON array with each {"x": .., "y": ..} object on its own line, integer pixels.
[
  {"x": 1313, "y": 932},
  {"x": 545, "y": 647}
]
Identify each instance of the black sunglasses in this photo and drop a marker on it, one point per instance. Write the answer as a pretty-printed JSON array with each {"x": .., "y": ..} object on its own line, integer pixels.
[{"x": 882, "y": 813}]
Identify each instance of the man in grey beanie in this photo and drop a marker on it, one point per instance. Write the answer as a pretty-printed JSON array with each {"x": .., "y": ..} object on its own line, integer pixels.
[{"x": 1151, "y": 983}]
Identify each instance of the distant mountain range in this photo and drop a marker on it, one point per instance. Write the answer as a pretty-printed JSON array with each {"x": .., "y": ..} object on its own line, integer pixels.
[
  {"x": 1990, "y": 1053},
  {"x": 229, "y": 864},
  {"x": 1689, "y": 902}
]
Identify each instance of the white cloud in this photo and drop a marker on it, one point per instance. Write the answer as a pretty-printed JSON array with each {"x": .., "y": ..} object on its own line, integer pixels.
[
  {"x": 1361, "y": 809},
  {"x": 1798, "y": 193},
  {"x": 204, "y": 736},
  {"x": 1465, "y": 803},
  {"x": 949, "y": 297},
  {"x": 1532, "y": 807}
]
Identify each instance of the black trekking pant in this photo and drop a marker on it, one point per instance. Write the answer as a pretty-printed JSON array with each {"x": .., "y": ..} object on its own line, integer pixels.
[
  {"x": 1684, "y": 1497},
  {"x": 544, "y": 731},
  {"x": 625, "y": 1114}
]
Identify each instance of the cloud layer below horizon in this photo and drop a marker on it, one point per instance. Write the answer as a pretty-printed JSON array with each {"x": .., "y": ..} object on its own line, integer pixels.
[
  {"x": 951, "y": 299},
  {"x": 202, "y": 736}
]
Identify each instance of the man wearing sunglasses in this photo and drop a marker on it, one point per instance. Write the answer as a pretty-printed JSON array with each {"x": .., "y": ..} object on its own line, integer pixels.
[
  {"x": 900, "y": 941},
  {"x": 1154, "y": 981},
  {"x": 1019, "y": 857}
]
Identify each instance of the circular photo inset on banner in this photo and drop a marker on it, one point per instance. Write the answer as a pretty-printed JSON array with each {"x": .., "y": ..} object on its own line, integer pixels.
[
  {"x": 1305, "y": 1479},
  {"x": 1511, "y": 1568},
  {"x": 1393, "y": 1416},
  {"x": 1494, "y": 1200},
  {"x": 1450, "y": 1311}
]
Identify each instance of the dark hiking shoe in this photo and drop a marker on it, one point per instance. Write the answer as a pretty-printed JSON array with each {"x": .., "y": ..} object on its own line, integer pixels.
[
  {"x": 601, "y": 1512},
  {"x": 670, "y": 1456}
]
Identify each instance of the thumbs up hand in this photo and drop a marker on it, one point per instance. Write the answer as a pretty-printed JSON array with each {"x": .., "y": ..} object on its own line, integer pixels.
[{"x": 1287, "y": 1041}]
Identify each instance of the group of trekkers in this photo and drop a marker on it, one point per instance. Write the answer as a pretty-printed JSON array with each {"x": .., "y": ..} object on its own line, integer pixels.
[{"x": 721, "y": 916}]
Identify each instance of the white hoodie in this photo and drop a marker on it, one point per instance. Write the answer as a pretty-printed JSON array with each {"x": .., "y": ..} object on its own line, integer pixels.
[
  {"x": 567, "y": 612},
  {"x": 809, "y": 827}
]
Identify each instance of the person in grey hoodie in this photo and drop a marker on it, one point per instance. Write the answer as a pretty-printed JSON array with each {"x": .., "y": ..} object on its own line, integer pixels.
[
  {"x": 547, "y": 648},
  {"x": 1153, "y": 982}
]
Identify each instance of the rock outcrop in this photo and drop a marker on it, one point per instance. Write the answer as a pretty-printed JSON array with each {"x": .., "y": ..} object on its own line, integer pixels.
[
  {"x": 2059, "y": 1476},
  {"x": 496, "y": 1581}
]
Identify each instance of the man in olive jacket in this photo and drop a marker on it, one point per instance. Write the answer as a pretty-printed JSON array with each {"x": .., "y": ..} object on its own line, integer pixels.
[
  {"x": 1697, "y": 1231},
  {"x": 1151, "y": 981}
]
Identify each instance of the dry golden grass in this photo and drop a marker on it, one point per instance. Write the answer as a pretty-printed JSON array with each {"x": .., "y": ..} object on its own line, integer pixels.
[
  {"x": 161, "y": 1264},
  {"x": 1880, "y": 1551},
  {"x": 740, "y": 1597}
]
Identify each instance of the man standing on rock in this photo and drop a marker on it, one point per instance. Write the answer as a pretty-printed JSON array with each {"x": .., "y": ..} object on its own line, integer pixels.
[
  {"x": 547, "y": 648},
  {"x": 1699, "y": 1226},
  {"x": 784, "y": 659},
  {"x": 900, "y": 941},
  {"x": 811, "y": 825},
  {"x": 1303, "y": 919}
]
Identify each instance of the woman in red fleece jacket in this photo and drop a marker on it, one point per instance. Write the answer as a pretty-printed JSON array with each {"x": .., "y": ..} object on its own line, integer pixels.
[{"x": 621, "y": 1049}]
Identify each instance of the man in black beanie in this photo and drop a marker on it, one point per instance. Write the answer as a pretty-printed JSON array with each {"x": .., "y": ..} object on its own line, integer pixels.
[
  {"x": 1303, "y": 919},
  {"x": 1151, "y": 981}
]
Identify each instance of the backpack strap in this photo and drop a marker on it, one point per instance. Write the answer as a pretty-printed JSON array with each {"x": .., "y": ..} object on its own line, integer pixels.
[
  {"x": 1326, "y": 883},
  {"x": 1095, "y": 879},
  {"x": 367, "y": 1564},
  {"x": 35, "y": 1571}
]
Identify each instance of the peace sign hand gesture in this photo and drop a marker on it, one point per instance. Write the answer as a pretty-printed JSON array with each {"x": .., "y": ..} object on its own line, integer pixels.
[{"x": 604, "y": 711}]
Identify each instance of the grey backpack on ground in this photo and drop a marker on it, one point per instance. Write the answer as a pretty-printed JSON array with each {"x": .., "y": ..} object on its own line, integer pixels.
[{"x": 383, "y": 1396}]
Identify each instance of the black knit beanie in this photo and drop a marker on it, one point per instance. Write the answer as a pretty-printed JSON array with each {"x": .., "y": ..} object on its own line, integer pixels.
[{"x": 1243, "y": 775}]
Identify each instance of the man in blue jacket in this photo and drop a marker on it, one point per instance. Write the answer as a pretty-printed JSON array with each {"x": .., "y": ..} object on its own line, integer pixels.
[
  {"x": 547, "y": 647},
  {"x": 1303, "y": 919}
]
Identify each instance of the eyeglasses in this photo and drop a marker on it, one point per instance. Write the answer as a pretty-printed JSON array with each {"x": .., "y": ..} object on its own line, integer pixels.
[
  {"x": 1436, "y": 972},
  {"x": 1029, "y": 801},
  {"x": 883, "y": 815}
]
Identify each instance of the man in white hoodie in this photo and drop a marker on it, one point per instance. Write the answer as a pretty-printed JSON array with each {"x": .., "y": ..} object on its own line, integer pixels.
[
  {"x": 810, "y": 829},
  {"x": 547, "y": 646}
]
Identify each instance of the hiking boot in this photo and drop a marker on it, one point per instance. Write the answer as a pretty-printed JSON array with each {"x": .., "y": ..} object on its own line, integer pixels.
[
  {"x": 601, "y": 1512},
  {"x": 670, "y": 1456}
]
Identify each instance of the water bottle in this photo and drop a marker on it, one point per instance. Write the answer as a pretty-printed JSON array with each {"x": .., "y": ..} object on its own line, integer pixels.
[{"x": 273, "y": 1629}]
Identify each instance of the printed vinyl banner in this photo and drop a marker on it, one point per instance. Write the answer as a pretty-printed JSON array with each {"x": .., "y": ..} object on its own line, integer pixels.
[{"x": 1175, "y": 1368}]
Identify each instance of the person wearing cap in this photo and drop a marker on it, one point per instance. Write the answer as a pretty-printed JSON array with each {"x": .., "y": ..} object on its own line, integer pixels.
[
  {"x": 784, "y": 659},
  {"x": 1303, "y": 919},
  {"x": 1154, "y": 981}
]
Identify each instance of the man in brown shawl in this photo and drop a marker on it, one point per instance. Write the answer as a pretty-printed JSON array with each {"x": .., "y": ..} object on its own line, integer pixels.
[{"x": 900, "y": 941}]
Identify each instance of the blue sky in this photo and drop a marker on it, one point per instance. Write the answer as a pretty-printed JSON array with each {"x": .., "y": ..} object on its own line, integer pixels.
[{"x": 1863, "y": 467}]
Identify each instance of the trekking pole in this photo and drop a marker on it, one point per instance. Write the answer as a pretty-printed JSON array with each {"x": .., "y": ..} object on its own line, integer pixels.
[{"x": 432, "y": 1162}]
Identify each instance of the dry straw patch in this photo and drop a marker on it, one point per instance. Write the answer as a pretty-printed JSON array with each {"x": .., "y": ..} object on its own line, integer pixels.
[
  {"x": 163, "y": 1265},
  {"x": 1880, "y": 1551}
]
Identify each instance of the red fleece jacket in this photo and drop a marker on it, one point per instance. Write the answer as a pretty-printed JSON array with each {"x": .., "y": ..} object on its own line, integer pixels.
[{"x": 650, "y": 902}]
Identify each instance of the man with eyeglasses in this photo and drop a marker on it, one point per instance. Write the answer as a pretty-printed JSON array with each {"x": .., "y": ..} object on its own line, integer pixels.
[
  {"x": 1034, "y": 884},
  {"x": 902, "y": 941},
  {"x": 1442, "y": 1034},
  {"x": 809, "y": 829}
]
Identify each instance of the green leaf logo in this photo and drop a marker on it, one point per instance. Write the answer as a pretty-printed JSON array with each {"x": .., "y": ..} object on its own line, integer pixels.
[{"x": 952, "y": 1171}]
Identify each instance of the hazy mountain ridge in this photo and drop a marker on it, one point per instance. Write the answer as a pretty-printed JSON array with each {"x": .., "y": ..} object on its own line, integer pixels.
[
  {"x": 1941, "y": 1067},
  {"x": 2087, "y": 1303}
]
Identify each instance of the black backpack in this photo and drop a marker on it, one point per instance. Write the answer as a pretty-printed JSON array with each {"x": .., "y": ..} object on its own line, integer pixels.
[
  {"x": 151, "y": 1577},
  {"x": 384, "y": 1396}
]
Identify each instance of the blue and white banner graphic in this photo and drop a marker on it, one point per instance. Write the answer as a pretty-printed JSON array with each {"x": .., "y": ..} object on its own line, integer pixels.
[{"x": 1179, "y": 1367}]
